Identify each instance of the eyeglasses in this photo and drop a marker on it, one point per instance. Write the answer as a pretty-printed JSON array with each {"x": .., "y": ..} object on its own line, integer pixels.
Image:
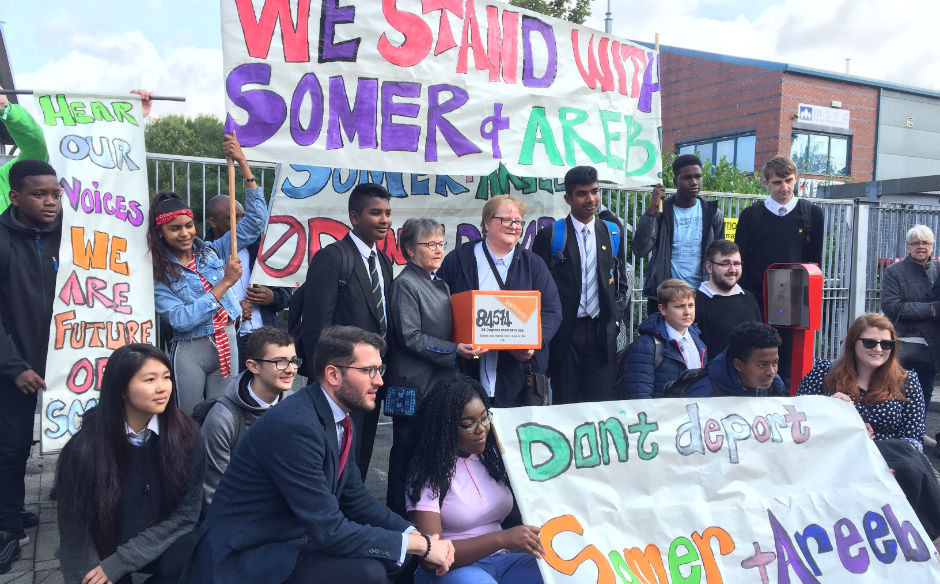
[
  {"x": 370, "y": 371},
  {"x": 886, "y": 345},
  {"x": 920, "y": 243},
  {"x": 483, "y": 422},
  {"x": 283, "y": 364},
  {"x": 509, "y": 222},
  {"x": 433, "y": 245},
  {"x": 726, "y": 265}
]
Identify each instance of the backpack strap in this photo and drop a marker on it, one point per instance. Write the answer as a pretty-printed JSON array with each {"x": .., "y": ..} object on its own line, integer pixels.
[
  {"x": 659, "y": 348},
  {"x": 345, "y": 267},
  {"x": 614, "y": 231},
  {"x": 238, "y": 415},
  {"x": 559, "y": 240},
  {"x": 5, "y": 252},
  {"x": 805, "y": 216}
]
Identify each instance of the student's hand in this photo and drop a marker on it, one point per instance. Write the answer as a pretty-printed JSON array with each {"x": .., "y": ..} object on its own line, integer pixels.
[
  {"x": 145, "y": 100},
  {"x": 233, "y": 150},
  {"x": 441, "y": 556},
  {"x": 29, "y": 382},
  {"x": 871, "y": 431},
  {"x": 96, "y": 576},
  {"x": 522, "y": 354},
  {"x": 3, "y": 100},
  {"x": 246, "y": 309},
  {"x": 842, "y": 396},
  {"x": 233, "y": 270},
  {"x": 259, "y": 295},
  {"x": 522, "y": 538},
  {"x": 468, "y": 352},
  {"x": 658, "y": 194}
]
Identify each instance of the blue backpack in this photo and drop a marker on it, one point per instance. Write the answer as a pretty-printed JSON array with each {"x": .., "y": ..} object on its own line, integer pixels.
[{"x": 560, "y": 238}]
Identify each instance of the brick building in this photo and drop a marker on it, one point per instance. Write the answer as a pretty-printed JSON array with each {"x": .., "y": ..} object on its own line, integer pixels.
[{"x": 834, "y": 126}]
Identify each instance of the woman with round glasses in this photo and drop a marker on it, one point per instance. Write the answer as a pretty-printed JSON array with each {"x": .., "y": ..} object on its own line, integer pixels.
[
  {"x": 499, "y": 262},
  {"x": 889, "y": 401},
  {"x": 458, "y": 489},
  {"x": 907, "y": 299},
  {"x": 424, "y": 354}
]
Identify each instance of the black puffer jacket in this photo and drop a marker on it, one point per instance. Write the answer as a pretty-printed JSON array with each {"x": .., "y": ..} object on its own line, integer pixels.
[{"x": 29, "y": 262}]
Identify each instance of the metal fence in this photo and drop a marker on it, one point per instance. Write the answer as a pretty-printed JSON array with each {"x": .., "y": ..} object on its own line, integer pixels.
[
  {"x": 837, "y": 251},
  {"x": 858, "y": 236}
]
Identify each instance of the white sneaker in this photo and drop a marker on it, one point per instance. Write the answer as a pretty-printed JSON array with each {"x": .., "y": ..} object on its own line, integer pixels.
[{"x": 928, "y": 441}]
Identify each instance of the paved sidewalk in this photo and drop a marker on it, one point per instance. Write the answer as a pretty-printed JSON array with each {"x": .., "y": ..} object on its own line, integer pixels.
[{"x": 38, "y": 564}]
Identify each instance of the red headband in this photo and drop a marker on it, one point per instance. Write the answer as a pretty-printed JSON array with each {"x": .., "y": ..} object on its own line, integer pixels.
[{"x": 165, "y": 218}]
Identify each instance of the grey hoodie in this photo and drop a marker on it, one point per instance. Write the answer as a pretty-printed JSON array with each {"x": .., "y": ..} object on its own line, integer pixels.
[{"x": 220, "y": 431}]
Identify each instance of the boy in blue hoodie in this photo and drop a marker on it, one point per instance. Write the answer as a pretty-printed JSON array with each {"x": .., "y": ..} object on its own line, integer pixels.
[{"x": 748, "y": 367}]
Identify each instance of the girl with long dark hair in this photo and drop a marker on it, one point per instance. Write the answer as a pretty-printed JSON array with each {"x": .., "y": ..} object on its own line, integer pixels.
[
  {"x": 193, "y": 282},
  {"x": 129, "y": 483},
  {"x": 458, "y": 489}
]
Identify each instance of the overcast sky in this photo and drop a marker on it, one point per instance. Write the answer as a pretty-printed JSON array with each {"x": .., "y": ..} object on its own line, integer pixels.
[{"x": 173, "y": 47}]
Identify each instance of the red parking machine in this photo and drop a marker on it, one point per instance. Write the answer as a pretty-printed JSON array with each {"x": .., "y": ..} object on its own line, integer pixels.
[{"x": 793, "y": 299}]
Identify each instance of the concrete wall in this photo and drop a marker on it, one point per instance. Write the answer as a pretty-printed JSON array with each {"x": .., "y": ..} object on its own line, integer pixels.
[{"x": 902, "y": 151}]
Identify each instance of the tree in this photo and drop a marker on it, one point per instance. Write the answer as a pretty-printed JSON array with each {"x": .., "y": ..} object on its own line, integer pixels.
[
  {"x": 576, "y": 13},
  {"x": 199, "y": 137}
]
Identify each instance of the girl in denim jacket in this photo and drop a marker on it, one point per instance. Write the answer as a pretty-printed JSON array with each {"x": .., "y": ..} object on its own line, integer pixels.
[{"x": 193, "y": 282}]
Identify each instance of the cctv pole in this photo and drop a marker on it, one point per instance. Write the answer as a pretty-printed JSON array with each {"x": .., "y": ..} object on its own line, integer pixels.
[{"x": 607, "y": 20}]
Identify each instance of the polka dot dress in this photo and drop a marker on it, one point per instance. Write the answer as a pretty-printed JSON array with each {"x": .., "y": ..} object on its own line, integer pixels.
[{"x": 891, "y": 419}]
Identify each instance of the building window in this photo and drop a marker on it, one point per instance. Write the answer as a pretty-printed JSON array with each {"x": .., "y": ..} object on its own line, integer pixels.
[
  {"x": 820, "y": 154},
  {"x": 738, "y": 150}
]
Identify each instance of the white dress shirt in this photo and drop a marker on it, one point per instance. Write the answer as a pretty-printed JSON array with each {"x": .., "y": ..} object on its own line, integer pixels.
[
  {"x": 138, "y": 438},
  {"x": 585, "y": 260},
  {"x": 487, "y": 281},
  {"x": 707, "y": 291},
  {"x": 690, "y": 354},
  {"x": 365, "y": 251},
  {"x": 774, "y": 207}
]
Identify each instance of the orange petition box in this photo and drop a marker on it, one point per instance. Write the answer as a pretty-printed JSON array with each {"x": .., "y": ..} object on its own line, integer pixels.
[{"x": 498, "y": 319}]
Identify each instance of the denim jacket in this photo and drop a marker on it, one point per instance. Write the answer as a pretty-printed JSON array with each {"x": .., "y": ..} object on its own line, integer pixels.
[{"x": 184, "y": 303}]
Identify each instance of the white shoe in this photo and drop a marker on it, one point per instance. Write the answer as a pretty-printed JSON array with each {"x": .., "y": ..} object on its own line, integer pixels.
[{"x": 928, "y": 441}]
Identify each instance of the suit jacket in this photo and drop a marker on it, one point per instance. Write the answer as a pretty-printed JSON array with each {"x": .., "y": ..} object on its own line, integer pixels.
[
  {"x": 612, "y": 285},
  {"x": 330, "y": 299},
  {"x": 280, "y": 486}
]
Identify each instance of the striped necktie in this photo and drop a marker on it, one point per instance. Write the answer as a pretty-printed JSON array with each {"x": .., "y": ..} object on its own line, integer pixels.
[
  {"x": 590, "y": 273},
  {"x": 377, "y": 292}
]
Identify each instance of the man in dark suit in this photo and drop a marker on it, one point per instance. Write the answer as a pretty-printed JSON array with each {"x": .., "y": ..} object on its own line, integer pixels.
[
  {"x": 349, "y": 282},
  {"x": 291, "y": 507},
  {"x": 593, "y": 287}
]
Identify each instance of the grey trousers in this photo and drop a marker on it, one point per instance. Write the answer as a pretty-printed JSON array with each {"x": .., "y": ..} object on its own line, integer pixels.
[{"x": 196, "y": 369}]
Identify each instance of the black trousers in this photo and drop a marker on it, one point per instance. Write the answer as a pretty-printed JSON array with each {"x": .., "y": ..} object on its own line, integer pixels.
[
  {"x": 314, "y": 567},
  {"x": 365, "y": 424},
  {"x": 583, "y": 373},
  {"x": 16, "y": 437},
  {"x": 404, "y": 430}
]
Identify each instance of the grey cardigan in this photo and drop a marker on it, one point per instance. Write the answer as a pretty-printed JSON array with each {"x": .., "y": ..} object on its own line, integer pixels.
[
  {"x": 907, "y": 299},
  {"x": 423, "y": 353}
]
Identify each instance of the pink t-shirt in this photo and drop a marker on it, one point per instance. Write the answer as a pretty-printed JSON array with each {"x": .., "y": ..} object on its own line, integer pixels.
[{"x": 474, "y": 505}]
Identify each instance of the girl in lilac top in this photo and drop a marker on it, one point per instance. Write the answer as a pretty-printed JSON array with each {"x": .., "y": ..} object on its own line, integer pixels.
[{"x": 458, "y": 489}]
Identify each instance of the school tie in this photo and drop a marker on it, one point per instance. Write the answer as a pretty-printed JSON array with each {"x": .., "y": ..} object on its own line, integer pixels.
[
  {"x": 346, "y": 423},
  {"x": 782, "y": 211},
  {"x": 377, "y": 292},
  {"x": 590, "y": 273}
]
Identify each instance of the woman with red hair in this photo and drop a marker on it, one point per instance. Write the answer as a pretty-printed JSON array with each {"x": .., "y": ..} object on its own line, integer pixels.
[{"x": 890, "y": 402}]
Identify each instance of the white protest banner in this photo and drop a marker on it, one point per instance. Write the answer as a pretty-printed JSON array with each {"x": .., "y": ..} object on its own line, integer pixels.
[
  {"x": 104, "y": 286},
  {"x": 309, "y": 210},
  {"x": 715, "y": 490},
  {"x": 438, "y": 87}
]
